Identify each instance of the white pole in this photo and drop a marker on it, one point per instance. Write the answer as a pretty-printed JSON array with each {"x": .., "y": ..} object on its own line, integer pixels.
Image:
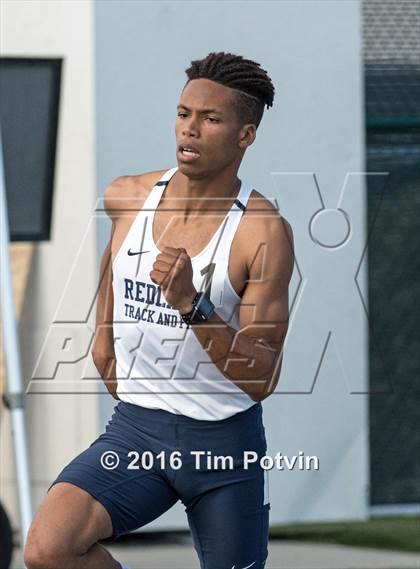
[{"x": 14, "y": 397}]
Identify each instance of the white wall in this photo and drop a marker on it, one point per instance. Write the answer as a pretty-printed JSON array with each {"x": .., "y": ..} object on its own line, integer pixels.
[
  {"x": 312, "y": 51},
  {"x": 59, "y": 426}
]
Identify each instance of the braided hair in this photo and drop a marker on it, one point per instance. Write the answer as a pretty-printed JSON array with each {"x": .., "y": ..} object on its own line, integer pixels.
[{"x": 253, "y": 86}]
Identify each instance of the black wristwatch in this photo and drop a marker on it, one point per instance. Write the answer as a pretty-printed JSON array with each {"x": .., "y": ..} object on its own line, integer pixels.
[{"x": 203, "y": 308}]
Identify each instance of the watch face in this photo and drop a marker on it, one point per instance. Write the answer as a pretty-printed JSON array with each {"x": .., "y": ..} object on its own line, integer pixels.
[{"x": 205, "y": 309}]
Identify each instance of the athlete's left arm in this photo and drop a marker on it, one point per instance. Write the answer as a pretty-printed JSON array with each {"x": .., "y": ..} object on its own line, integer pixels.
[{"x": 251, "y": 357}]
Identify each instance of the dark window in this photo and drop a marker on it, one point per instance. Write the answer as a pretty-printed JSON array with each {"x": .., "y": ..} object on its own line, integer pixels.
[{"x": 29, "y": 101}]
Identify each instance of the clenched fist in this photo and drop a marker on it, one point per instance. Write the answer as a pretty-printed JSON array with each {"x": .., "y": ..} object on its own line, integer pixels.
[{"x": 172, "y": 271}]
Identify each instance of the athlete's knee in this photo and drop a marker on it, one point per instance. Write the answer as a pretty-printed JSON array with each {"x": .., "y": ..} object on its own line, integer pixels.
[
  {"x": 43, "y": 552},
  {"x": 41, "y": 556}
]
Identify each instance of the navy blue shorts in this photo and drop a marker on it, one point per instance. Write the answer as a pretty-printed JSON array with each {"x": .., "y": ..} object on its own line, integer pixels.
[{"x": 226, "y": 504}]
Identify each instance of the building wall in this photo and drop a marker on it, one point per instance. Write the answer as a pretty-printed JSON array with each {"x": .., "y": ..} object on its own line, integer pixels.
[
  {"x": 58, "y": 426},
  {"x": 306, "y": 146}
]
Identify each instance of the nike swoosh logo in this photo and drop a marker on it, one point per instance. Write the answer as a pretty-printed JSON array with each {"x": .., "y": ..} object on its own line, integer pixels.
[
  {"x": 131, "y": 253},
  {"x": 247, "y": 567}
]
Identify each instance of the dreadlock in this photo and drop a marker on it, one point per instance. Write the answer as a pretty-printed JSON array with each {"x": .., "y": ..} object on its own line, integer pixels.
[{"x": 252, "y": 84}]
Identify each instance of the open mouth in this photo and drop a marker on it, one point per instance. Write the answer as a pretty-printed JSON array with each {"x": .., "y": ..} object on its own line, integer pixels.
[{"x": 188, "y": 152}]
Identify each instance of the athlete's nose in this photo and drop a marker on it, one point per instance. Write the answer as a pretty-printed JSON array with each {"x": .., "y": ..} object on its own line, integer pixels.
[
  {"x": 190, "y": 128},
  {"x": 189, "y": 132}
]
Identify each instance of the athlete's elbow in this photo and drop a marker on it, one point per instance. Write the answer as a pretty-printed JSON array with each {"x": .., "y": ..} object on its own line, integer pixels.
[
  {"x": 264, "y": 396},
  {"x": 258, "y": 397},
  {"x": 267, "y": 389},
  {"x": 102, "y": 355}
]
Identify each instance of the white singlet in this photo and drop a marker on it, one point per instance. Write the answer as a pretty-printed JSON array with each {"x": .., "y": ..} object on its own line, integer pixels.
[{"x": 160, "y": 364}]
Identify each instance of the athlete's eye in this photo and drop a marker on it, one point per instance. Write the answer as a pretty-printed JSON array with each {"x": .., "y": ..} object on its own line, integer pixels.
[
  {"x": 182, "y": 114},
  {"x": 212, "y": 119}
]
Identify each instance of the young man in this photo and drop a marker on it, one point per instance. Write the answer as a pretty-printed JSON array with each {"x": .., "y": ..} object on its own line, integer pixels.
[{"x": 191, "y": 319}]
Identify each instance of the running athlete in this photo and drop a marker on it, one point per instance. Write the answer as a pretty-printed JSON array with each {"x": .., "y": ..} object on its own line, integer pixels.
[{"x": 192, "y": 315}]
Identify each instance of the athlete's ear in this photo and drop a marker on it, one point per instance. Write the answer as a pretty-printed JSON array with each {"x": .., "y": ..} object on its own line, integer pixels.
[{"x": 247, "y": 135}]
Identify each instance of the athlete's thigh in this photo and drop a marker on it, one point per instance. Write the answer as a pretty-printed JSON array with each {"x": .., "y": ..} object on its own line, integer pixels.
[{"x": 230, "y": 523}]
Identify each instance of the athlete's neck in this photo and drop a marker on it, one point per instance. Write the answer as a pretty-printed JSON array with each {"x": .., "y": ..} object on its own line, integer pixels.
[{"x": 218, "y": 191}]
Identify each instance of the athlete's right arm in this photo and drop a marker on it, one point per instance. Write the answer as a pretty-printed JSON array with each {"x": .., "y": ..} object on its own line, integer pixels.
[
  {"x": 126, "y": 193},
  {"x": 103, "y": 353}
]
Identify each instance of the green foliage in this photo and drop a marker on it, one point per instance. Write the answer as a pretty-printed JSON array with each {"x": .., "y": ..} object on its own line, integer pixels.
[{"x": 399, "y": 533}]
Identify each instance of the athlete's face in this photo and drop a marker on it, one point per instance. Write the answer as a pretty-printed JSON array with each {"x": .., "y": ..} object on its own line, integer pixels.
[{"x": 208, "y": 124}]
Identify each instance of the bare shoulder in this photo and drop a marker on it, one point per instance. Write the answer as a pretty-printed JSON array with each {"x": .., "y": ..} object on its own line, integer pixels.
[
  {"x": 127, "y": 193},
  {"x": 265, "y": 234},
  {"x": 263, "y": 222}
]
